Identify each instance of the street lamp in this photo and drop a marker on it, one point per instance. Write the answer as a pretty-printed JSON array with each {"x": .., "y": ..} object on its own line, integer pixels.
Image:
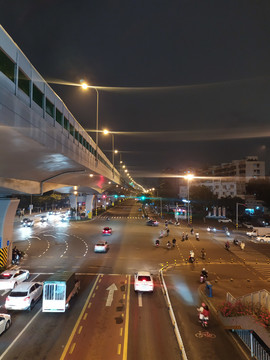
[
  {"x": 188, "y": 177},
  {"x": 106, "y": 132},
  {"x": 236, "y": 220},
  {"x": 76, "y": 199},
  {"x": 85, "y": 87}
]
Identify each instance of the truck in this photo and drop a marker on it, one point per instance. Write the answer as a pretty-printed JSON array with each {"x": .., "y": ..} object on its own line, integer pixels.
[
  {"x": 258, "y": 231},
  {"x": 58, "y": 290}
]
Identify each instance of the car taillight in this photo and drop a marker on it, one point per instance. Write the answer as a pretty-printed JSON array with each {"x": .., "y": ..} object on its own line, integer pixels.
[
  {"x": 7, "y": 298},
  {"x": 27, "y": 298}
]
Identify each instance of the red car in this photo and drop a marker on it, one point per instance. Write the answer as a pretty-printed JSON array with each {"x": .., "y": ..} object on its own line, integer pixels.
[{"x": 107, "y": 231}]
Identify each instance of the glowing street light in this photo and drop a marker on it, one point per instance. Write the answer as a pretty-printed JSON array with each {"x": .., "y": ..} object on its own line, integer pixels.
[
  {"x": 85, "y": 86},
  {"x": 188, "y": 177}
]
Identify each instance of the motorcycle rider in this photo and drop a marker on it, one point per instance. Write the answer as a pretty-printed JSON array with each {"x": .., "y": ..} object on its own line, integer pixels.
[
  {"x": 173, "y": 242},
  {"x": 168, "y": 244},
  {"x": 191, "y": 256},
  {"x": 203, "y": 254},
  {"x": 197, "y": 236},
  {"x": 186, "y": 236},
  {"x": 227, "y": 245},
  {"x": 157, "y": 242},
  {"x": 204, "y": 273}
]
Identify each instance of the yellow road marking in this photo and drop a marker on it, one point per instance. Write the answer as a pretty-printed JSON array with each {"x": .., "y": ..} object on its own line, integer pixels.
[
  {"x": 124, "y": 296},
  {"x": 78, "y": 321},
  {"x": 119, "y": 349},
  {"x": 94, "y": 295},
  {"x": 89, "y": 305},
  {"x": 80, "y": 330},
  {"x": 72, "y": 348},
  {"x": 96, "y": 287},
  {"x": 85, "y": 316},
  {"x": 125, "y": 346},
  {"x": 121, "y": 331}
]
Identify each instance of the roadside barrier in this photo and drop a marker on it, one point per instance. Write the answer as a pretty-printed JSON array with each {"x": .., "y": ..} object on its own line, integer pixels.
[{"x": 173, "y": 320}]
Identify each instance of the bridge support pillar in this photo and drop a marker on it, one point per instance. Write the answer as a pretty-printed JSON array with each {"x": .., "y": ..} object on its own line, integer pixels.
[
  {"x": 89, "y": 205},
  {"x": 8, "y": 209}
]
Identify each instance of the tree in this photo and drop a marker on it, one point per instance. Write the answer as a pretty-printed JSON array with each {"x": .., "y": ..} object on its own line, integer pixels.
[
  {"x": 201, "y": 197},
  {"x": 261, "y": 189}
]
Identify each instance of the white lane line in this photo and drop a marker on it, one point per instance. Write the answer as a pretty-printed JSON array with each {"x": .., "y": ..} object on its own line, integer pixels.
[
  {"x": 5, "y": 292},
  {"x": 35, "y": 277},
  {"x": 140, "y": 299},
  {"x": 19, "y": 335}
]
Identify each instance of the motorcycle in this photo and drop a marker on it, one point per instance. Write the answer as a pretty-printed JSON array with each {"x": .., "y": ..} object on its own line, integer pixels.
[
  {"x": 197, "y": 236},
  {"x": 157, "y": 243},
  {"x": 227, "y": 246},
  {"x": 191, "y": 259},
  {"x": 202, "y": 278},
  {"x": 168, "y": 245},
  {"x": 204, "y": 321},
  {"x": 203, "y": 253}
]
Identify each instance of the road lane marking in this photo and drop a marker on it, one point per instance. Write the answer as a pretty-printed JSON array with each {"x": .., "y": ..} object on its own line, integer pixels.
[
  {"x": 119, "y": 349},
  {"x": 89, "y": 305},
  {"x": 78, "y": 321},
  {"x": 19, "y": 335},
  {"x": 112, "y": 288},
  {"x": 125, "y": 346},
  {"x": 72, "y": 348},
  {"x": 140, "y": 299},
  {"x": 5, "y": 292},
  {"x": 80, "y": 330},
  {"x": 85, "y": 316},
  {"x": 121, "y": 331}
]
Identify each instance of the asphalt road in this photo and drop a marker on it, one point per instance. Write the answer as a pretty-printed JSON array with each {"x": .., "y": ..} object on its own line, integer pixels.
[{"x": 134, "y": 326}]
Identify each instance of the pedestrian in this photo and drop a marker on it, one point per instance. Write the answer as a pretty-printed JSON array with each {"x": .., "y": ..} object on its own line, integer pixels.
[
  {"x": 183, "y": 237},
  {"x": 173, "y": 242},
  {"x": 168, "y": 232},
  {"x": 186, "y": 236},
  {"x": 242, "y": 245}
]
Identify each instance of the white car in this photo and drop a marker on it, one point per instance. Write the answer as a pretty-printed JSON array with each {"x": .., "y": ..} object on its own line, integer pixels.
[
  {"x": 143, "y": 281},
  {"x": 248, "y": 225},
  {"x": 263, "y": 238},
  {"x": 24, "y": 296},
  {"x": 224, "y": 220},
  {"x": 5, "y": 322},
  {"x": 251, "y": 233},
  {"x": 101, "y": 247},
  {"x": 11, "y": 278},
  {"x": 211, "y": 229}
]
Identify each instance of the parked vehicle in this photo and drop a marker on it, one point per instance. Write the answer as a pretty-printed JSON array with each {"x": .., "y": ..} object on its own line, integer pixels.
[
  {"x": 58, "y": 290},
  {"x": 224, "y": 220}
]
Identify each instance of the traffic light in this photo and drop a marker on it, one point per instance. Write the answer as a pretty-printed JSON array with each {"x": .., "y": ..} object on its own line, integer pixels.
[
  {"x": 142, "y": 197},
  {"x": 116, "y": 196}
]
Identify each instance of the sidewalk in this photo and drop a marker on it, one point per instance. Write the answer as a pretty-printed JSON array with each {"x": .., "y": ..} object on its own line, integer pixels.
[{"x": 237, "y": 288}]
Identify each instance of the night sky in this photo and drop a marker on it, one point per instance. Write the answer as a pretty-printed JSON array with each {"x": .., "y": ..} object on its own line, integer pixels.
[{"x": 194, "y": 75}]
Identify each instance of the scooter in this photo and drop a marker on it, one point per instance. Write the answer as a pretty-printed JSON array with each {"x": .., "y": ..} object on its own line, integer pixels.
[
  {"x": 169, "y": 245},
  {"x": 157, "y": 243},
  {"x": 191, "y": 259},
  {"x": 227, "y": 246}
]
